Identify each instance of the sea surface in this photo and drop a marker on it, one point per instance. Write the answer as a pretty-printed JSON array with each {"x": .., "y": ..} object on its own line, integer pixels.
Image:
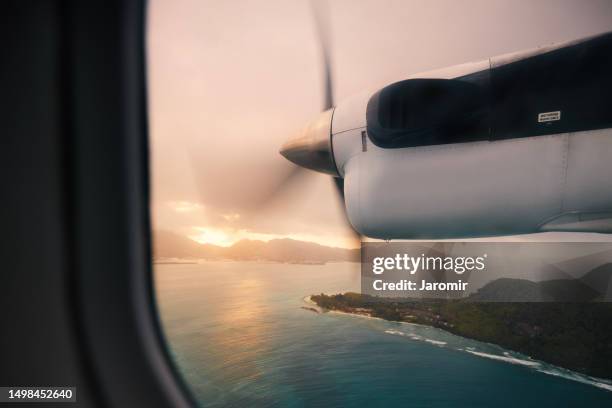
[{"x": 240, "y": 337}]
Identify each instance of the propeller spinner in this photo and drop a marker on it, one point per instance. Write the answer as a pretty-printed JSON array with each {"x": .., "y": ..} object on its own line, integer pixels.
[{"x": 312, "y": 148}]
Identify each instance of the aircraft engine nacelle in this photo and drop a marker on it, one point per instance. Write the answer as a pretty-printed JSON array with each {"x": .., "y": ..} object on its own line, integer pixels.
[{"x": 513, "y": 144}]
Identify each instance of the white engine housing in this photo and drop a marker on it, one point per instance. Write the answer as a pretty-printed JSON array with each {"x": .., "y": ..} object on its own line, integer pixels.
[{"x": 544, "y": 183}]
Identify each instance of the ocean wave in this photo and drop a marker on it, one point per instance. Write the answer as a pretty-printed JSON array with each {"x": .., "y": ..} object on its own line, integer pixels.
[
  {"x": 573, "y": 376},
  {"x": 506, "y": 358},
  {"x": 547, "y": 369},
  {"x": 415, "y": 337},
  {"x": 436, "y": 342}
]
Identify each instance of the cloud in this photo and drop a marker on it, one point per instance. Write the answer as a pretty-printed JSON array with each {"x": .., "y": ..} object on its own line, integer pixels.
[
  {"x": 231, "y": 217},
  {"x": 184, "y": 206}
]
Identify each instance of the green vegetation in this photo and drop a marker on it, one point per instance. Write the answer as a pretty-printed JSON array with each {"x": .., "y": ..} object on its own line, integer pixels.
[{"x": 577, "y": 336}]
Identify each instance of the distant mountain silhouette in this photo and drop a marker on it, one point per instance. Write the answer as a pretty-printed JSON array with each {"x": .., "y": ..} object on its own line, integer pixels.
[
  {"x": 170, "y": 245},
  {"x": 511, "y": 290},
  {"x": 598, "y": 278},
  {"x": 590, "y": 287}
]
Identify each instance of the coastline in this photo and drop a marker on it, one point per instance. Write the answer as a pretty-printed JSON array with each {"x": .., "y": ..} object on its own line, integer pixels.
[{"x": 507, "y": 356}]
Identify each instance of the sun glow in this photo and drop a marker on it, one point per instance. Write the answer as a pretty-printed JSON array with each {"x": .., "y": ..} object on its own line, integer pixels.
[{"x": 228, "y": 237}]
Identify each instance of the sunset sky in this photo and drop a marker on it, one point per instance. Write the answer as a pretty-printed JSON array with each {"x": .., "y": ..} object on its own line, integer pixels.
[{"x": 230, "y": 81}]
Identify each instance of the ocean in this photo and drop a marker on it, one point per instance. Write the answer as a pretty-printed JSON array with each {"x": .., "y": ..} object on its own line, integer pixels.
[{"x": 241, "y": 335}]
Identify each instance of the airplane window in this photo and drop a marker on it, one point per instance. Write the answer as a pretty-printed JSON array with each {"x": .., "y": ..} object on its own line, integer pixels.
[
  {"x": 250, "y": 249},
  {"x": 240, "y": 237}
]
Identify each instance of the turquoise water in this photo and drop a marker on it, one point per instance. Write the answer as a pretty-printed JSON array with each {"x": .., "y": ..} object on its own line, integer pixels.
[{"x": 240, "y": 338}]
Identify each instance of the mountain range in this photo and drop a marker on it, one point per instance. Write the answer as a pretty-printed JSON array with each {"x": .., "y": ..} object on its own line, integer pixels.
[
  {"x": 167, "y": 244},
  {"x": 590, "y": 287}
]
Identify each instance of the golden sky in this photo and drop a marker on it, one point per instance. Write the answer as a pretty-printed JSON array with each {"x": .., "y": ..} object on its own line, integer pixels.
[{"x": 229, "y": 81}]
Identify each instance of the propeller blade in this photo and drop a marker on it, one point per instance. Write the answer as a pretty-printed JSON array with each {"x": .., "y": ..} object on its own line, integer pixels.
[
  {"x": 339, "y": 184},
  {"x": 296, "y": 175},
  {"x": 290, "y": 179},
  {"x": 322, "y": 29},
  {"x": 321, "y": 15}
]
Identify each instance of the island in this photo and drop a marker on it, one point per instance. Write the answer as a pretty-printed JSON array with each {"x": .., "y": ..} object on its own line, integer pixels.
[{"x": 576, "y": 336}]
